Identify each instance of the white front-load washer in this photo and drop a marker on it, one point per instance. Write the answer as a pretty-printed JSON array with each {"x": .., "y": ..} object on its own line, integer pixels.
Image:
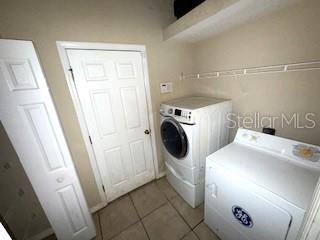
[
  {"x": 192, "y": 128},
  {"x": 259, "y": 187}
]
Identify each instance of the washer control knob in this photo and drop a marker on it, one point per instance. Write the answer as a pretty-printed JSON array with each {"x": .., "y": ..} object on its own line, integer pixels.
[{"x": 170, "y": 110}]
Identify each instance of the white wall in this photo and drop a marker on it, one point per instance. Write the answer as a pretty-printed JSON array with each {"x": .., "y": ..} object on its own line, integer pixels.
[
  {"x": 292, "y": 35},
  {"x": 110, "y": 21},
  {"x": 288, "y": 36},
  {"x": 19, "y": 206}
]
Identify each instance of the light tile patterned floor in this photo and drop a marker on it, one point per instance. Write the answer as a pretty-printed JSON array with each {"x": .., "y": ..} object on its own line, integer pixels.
[{"x": 152, "y": 212}]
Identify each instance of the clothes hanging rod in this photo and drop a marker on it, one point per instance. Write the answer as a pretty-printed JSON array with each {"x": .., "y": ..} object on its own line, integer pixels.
[{"x": 290, "y": 67}]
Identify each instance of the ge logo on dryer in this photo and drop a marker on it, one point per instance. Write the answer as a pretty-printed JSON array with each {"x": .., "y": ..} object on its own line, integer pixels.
[{"x": 242, "y": 216}]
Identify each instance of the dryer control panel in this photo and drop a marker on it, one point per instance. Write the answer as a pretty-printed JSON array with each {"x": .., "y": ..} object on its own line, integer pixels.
[
  {"x": 181, "y": 115},
  {"x": 302, "y": 153}
]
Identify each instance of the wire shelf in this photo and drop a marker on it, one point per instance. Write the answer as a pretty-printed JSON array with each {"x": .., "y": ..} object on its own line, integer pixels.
[{"x": 290, "y": 67}]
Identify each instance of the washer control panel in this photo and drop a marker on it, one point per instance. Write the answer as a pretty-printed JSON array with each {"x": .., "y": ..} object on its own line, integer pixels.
[{"x": 181, "y": 115}]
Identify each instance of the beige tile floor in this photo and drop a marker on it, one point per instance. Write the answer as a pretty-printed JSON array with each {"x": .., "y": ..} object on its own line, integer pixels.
[{"x": 152, "y": 212}]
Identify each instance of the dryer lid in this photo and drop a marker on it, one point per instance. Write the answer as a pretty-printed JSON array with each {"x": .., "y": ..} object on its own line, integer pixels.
[{"x": 274, "y": 171}]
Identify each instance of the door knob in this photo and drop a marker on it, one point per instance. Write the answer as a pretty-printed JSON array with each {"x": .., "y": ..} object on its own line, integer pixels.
[{"x": 146, "y": 131}]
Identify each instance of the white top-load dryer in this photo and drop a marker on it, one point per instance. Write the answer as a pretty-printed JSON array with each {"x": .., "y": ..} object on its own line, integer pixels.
[
  {"x": 191, "y": 129},
  {"x": 260, "y": 187}
]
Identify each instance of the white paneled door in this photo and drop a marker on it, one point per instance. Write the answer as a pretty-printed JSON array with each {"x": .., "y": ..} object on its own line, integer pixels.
[
  {"x": 111, "y": 92},
  {"x": 31, "y": 122}
]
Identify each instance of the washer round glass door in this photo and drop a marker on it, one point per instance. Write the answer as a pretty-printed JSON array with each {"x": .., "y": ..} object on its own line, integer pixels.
[{"x": 174, "y": 138}]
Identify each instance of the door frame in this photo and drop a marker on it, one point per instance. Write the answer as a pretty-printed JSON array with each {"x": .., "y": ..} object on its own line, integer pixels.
[
  {"x": 310, "y": 229},
  {"x": 63, "y": 46}
]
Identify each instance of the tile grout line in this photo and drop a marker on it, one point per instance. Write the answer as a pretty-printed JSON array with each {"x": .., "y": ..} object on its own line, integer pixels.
[
  {"x": 140, "y": 219},
  {"x": 208, "y": 228},
  {"x": 180, "y": 215},
  {"x": 125, "y": 227},
  {"x": 154, "y": 210},
  {"x": 188, "y": 233},
  {"x": 196, "y": 235},
  {"x": 169, "y": 200},
  {"x": 196, "y": 227},
  {"x": 191, "y": 229},
  {"x": 202, "y": 221}
]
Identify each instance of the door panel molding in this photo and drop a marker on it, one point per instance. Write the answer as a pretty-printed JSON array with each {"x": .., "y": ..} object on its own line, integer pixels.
[
  {"x": 127, "y": 108},
  {"x": 30, "y": 119},
  {"x": 128, "y": 70},
  {"x": 42, "y": 129}
]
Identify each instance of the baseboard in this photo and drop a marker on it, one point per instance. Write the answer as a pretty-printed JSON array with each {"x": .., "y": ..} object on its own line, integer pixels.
[
  {"x": 49, "y": 231},
  {"x": 42, "y": 235},
  {"x": 98, "y": 207},
  {"x": 103, "y": 204},
  {"x": 161, "y": 174}
]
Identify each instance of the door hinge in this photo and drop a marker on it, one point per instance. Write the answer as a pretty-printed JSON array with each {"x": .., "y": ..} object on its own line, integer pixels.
[
  {"x": 71, "y": 71},
  {"x": 90, "y": 140},
  {"x": 103, "y": 188}
]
